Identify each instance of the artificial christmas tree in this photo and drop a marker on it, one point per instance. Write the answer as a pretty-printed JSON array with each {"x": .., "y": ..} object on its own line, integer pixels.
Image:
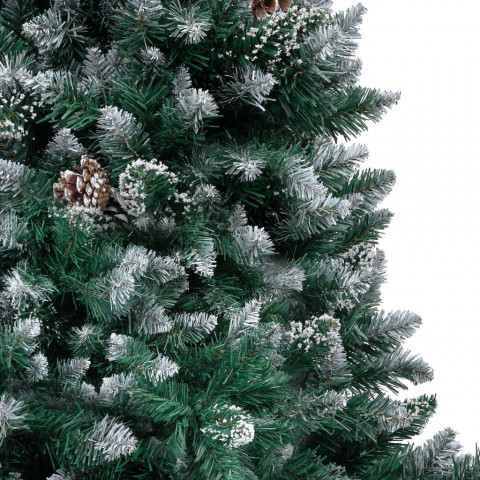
[{"x": 205, "y": 304}]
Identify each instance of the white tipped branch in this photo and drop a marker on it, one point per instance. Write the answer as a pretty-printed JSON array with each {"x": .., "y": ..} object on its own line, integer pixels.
[
  {"x": 331, "y": 161},
  {"x": 165, "y": 269},
  {"x": 394, "y": 417},
  {"x": 299, "y": 178},
  {"x": 119, "y": 287},
  {"x": 199, "y": 323},
  {"x": 64, "y": 148},
  {"x": 135, "y": 354},
  {"x": 435, "y": 458},
  {"x": 119, "y": 346},
  {"x": 391, "y": 368},
  {"x": 248, "y": 85},
  {"x": 152, "y": 57},
  {"x": 238, "y": 219},
  {"x": 24, "y": 334},
  {"x": 349, "y": 22},
  {"x": 50, "y": 31},
  {"x": 82, "y": 339},
  {"x": 72, "y": 371},
  {"x": 304, "y": 218},
  {"x": 182, "y": 81},
  {"x": 202, "y": 256},
  {"x": 322, "y": 45},
  {"x": 12, "y": 175},
  {"x": 189, "y": 24},
  {"x": 38, "y": 368},
  {"x": 21, "y": 338},
  {"x": 14, "y": 70},
  {"x": 61, "y": 474},
  {"x": 160, "y": 368},
  {"x": 195, "y": 105},
  {"x": 98, "y": 69},
  {"x": 251, "y": 244},
  {"x": 13, "y": 232},
  {"x": 121, "y": 136},
  {"x": 152, "y": 319},
  {"x": 243, "y": 319},
  {"x": 111, "y": 440},
  {"x": 116, "y": 123},
  {"x": 346, "y": 284},
  {"x": 396, "y": 326},
  {"x": 12, "y": 415},
  {"x": 282, "y": 277},
  {"x": 112, "y": 386},
  {"x": 21, "y": 288},
  {"x": 139, "y": 262},
  {"x": 334, "y": 366},
  {"x": 330, "y": 402},
  {"x": 243, "y": 163}
]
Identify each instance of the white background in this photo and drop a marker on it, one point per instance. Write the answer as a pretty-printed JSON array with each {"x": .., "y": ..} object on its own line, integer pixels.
[{"x": 430, "y": 51}]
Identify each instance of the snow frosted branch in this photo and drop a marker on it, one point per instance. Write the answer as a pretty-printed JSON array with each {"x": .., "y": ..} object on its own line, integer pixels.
[
  {"x": 22, "y": 288},
  {"x": 195, "y": 105},
  {"x": 243, "y": 319},
  {"x": 12, "y": 415},
  {"x": 189, "y": 24},
  {"x": 111, "y": 440},
  {"x": 249, "y": 85}
]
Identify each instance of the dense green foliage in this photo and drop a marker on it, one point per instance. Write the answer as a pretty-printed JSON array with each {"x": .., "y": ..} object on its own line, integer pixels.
[{"x": 221, "y": 318}]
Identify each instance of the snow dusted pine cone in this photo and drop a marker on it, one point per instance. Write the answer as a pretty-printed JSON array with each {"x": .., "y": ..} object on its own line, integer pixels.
[
  {"x": 263, "y": 7},
  {"x": 87, "y": 188}
]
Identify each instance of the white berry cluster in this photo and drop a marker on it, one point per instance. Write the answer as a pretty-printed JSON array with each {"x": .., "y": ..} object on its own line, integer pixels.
[
  {"x": 14, "y": 116},
  {"x": 315, "y": 331},
  {"x": 79, "y": 216},
  {"x": 132, "y": 186},
  {"x": 204, "y": 195},
  {"x": 283, "y": 31},
  {"x": 89, "y": 219},
  {"x": 232, "y": 426},
  {"x": 184, "y": 198}
]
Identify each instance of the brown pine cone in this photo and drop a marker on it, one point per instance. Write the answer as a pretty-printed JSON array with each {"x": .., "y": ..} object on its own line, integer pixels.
[
  {"x": 261, "y": 7},
  {"x": 115, "y": 212},
  {"x": 88, "y": 188},
  {"x": 284, "y": 4}
]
